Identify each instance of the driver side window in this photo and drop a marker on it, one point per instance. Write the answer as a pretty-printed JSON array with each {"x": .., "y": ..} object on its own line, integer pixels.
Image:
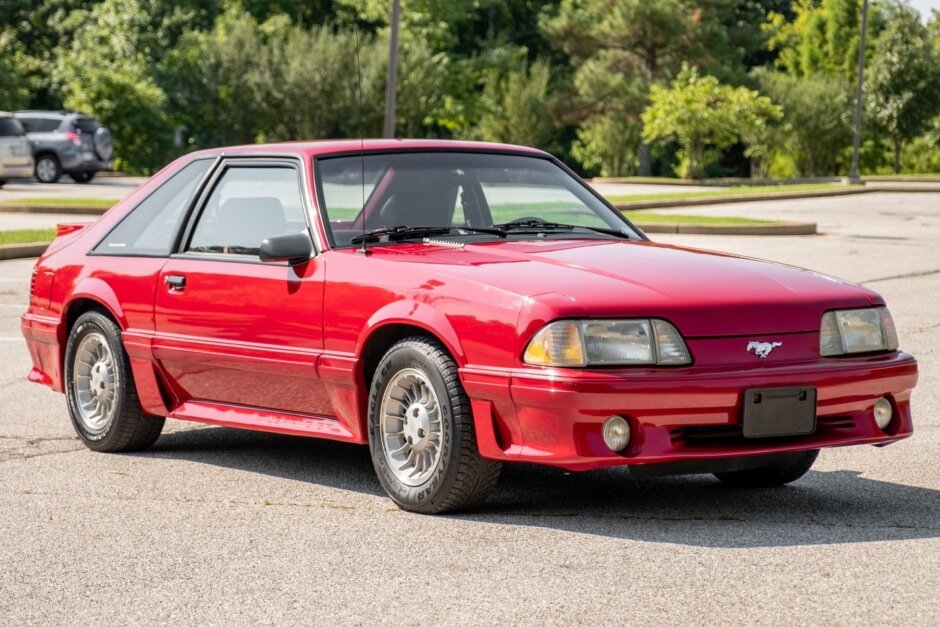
[{"x": 248, "y": 205}]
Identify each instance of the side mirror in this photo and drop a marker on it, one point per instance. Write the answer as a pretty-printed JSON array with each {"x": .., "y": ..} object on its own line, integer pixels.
[{"x": 295, "y": 248}]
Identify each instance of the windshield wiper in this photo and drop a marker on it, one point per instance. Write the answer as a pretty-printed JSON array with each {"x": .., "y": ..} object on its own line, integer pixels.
[
  {"x": 396, "y": 233},
  {"x": 541, "y": 226},
  {"x": 399, "y": 232}
]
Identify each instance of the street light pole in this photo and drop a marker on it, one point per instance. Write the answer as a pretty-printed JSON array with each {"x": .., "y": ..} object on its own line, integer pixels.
[
  {"x": 857, "y": 138},
  {"x": 388, "y": 129}
]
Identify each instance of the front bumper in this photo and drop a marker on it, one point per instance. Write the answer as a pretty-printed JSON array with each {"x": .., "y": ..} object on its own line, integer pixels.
[{"x": 554, "y": 416}]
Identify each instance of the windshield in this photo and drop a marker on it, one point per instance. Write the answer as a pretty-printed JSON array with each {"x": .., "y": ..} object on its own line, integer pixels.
[{"x": 454, "y": 190}]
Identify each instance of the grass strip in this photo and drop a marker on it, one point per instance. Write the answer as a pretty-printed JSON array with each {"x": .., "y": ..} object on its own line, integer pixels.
[{"x": 27, "y": 236}]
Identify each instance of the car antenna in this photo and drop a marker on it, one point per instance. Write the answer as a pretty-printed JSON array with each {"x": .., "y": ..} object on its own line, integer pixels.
[{"x": 363, "y": 250}]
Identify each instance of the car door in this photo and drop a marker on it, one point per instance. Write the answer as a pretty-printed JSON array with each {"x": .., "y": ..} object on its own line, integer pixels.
[{"x": 233, "y": 329}]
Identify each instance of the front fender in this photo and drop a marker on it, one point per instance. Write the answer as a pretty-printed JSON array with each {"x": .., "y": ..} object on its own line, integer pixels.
[{"x": 416, "y": 314}]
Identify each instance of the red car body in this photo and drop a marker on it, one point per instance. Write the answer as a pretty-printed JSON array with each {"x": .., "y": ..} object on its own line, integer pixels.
[{"x": 291, "y": 349}]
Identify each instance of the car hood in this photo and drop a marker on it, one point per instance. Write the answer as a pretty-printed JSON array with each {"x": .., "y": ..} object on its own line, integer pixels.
[{"x": 705, "y": 294}]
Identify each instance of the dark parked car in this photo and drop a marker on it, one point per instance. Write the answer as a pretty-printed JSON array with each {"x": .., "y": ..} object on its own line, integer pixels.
[{"x": 64, "y": 142}]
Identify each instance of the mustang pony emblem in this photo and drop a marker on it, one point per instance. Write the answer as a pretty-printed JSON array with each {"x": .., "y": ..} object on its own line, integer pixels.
[{"x": 762, "y": 349}]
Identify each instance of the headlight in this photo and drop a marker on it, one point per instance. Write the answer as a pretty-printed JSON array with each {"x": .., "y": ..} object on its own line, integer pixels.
[
  {"x": 576, "y": 343},
  {"x": 857, "y": 331}
]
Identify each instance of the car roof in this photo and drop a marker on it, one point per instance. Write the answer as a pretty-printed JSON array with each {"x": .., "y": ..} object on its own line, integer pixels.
[{"x": 352, "y": 146}]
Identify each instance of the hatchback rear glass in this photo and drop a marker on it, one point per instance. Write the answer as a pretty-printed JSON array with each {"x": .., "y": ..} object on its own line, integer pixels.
[
  {"x": 87, "y": 125},
  {"x": 10, "y": 127}
]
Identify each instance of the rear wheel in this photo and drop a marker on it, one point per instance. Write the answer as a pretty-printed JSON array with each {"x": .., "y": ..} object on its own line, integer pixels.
[
  {"x": 778, "y": 474},
  {"x": 48, "y": 169},
  {"x": 100, "y": 390},
  {"x": 421, "y": 432},
  {"x": 82, "y": 177},
  {"x": 3, "y": 182}
]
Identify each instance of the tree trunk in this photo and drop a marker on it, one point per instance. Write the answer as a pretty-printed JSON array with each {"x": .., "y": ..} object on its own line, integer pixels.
[
  {"x": 646, "y": 159},
  {"x": 897, "y": 155}
]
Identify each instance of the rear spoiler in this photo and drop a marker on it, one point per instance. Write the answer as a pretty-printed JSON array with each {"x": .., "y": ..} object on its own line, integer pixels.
[{"x": 65, "y": 228}]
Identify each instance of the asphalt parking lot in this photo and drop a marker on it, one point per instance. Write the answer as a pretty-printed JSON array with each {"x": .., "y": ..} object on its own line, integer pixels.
[{"x": 216, "y": 526}]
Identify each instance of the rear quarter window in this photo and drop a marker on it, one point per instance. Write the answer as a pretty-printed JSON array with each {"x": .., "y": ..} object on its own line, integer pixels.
[
  {"x": 10, "y": 127},
  {"x": 150, "y": 227},
  {"x": 40, "y": 125}
]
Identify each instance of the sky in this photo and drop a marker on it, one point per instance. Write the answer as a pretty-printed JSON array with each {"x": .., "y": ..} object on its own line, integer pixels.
[{"x": 924, "y": 6}]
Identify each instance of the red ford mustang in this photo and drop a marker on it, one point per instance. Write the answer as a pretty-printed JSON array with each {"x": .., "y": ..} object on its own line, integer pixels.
[{"x": 454, "y": 306}]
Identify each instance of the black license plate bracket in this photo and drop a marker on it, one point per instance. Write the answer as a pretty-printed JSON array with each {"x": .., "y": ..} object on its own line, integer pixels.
[{"x": 779, "y": 412}]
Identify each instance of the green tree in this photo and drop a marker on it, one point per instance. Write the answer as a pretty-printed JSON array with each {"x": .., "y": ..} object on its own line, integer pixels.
[
  {"x": 903, "y": 87},
  {"x": 618, "y": 50},
  {"x": 823, "y": 37},
  {"x": 14, "y": 84},
  {"x": 706, "y": 116},
  {"x": 106, "y": 72},
  {"x": 517, "y": 106},
  {"x": 817, "y": 120}
]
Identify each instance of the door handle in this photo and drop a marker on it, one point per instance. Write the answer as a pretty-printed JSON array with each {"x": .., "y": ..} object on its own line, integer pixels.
[{"x": 175, "y": 282}]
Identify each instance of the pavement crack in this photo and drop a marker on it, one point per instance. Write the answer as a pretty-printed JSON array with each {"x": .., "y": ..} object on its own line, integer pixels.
[
  {"x": 895, "y": 277},
  {"x": 20, "y": 458}
]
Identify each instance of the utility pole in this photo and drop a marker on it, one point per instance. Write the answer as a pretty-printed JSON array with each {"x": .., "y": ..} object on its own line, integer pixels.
[
  {"x": 392, "y": 80},
  {"x": 857, "y": 139}
]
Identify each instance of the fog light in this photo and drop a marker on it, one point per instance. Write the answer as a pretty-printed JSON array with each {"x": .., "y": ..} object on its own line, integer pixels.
[
  {"x": 616, "y": 433},
  {"x": 883, "y": 413}
]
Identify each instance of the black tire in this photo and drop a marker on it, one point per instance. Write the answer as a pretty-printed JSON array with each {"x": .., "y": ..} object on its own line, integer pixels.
[
  {"x": 774, "y": 476},
  {"x": 461, "y": 478},
  {"x": 129, "y": 428},
  {"x": 47, "y": 168},
  {"x": 3, "y": 182},
  {"x": 82, "y": 177}
]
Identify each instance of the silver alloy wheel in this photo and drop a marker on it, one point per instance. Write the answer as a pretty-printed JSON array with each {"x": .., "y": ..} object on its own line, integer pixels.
[
  {"x": 94, "y": 382},
  {"x": 46, "y": 169},
  {"x": 411, "y": 427}
]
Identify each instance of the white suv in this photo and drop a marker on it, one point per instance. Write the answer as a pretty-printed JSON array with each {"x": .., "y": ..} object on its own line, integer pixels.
[{"x": 16, "y": 160}]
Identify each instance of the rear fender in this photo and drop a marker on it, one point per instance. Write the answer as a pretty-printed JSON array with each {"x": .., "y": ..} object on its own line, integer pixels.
[{"x": 94, "y": 289}]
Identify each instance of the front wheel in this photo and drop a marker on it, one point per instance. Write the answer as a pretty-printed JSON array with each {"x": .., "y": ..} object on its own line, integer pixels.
[
  {"x": 100, "y": 391},
  {"x": 421, "y": 433},
  {"x": 788, "y": 470}
]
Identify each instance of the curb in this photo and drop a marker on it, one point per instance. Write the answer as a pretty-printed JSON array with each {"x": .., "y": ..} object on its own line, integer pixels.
[
  {"x": 22, "y": 251},
  {"x": 720, "y": 200},
  {"x": 718, "y": 182},
  {"x": 773, "y": 228},
  {"x": 78, "y": 211}
]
